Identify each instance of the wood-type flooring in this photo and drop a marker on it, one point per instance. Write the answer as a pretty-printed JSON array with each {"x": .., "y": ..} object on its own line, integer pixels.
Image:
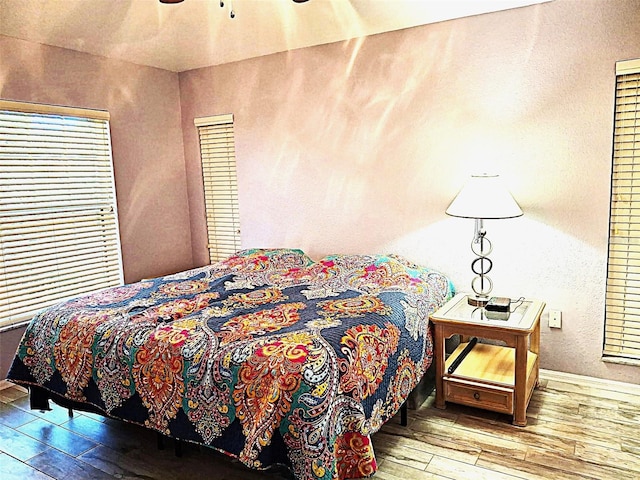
[{"x": 573, "y": 432}]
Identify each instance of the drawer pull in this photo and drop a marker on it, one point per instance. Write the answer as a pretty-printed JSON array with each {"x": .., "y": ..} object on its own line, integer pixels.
[{"x": 476, "y": 395}]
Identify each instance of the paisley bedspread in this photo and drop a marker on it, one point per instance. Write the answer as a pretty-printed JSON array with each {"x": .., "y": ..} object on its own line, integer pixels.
[{"x": 268, "y": 356}]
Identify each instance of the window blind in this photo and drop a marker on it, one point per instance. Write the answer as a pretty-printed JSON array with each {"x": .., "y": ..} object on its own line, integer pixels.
[
  {"x": 217, "y": 152},
  {"x": 58, "y": 225},
  {"x": 622, "y": 310}
]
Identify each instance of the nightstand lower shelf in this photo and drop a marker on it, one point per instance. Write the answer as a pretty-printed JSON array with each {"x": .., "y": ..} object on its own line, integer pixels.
[{"x": 486, "y": 377}]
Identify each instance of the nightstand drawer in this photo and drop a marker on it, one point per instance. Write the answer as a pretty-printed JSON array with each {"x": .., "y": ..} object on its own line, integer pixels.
[{"x": 497, "y": 399}]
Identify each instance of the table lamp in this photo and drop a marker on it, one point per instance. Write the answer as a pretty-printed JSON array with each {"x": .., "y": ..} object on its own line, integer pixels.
[{"x": 483, "y": 197}]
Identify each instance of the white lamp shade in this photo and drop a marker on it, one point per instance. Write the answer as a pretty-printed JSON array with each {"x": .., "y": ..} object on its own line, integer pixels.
[{"x": 484, "y": 196}]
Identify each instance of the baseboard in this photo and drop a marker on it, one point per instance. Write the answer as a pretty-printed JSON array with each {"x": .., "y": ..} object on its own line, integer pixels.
[
  {"x": 597, "y": 383},
  {"x": 5, "y": 384}
]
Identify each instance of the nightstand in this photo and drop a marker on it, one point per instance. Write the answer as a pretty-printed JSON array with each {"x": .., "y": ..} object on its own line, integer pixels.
[{"x": 500, "y": 378}]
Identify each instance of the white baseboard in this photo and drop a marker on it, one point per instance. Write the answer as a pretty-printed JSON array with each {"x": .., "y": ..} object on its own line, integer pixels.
[
  {"x": 599, "y": 383},
  {"x": 5, "y": 384}
]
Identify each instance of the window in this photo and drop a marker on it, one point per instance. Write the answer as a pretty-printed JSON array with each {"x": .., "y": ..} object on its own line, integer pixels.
[
  {"x": 217, "y": 151},
  {"x": 58, "y": 225},
  {"x": 622, "y": 318}
]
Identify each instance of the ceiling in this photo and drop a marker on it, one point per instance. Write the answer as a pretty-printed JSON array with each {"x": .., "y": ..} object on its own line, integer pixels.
[{"x": 199, "y": 33}]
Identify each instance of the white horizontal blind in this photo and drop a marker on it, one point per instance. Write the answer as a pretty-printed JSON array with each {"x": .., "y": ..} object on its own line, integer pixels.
[
  {"x": 218, "y": 154},
  {"x": 622, "y": 318},
  {"x": 58, "y": 226}
]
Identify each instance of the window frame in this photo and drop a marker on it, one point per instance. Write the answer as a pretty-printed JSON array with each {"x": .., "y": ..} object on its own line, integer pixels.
[
  {"x": 216, "y": 137},
  {"x": 621, "y": 336},
  {"x": 59, "y": 236}
]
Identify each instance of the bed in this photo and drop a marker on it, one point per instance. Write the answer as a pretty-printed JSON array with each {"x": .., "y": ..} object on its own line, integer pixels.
[{"x": 267, "y": 356}]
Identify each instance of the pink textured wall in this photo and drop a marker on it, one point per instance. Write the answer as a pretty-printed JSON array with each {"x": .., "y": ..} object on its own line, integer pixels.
[
  {"x": 359, "y": 147},
  {"x": 146, "y": 135}
]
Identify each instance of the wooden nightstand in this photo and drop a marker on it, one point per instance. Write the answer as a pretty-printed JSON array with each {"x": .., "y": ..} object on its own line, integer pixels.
[{"x": 497, "y": 378}]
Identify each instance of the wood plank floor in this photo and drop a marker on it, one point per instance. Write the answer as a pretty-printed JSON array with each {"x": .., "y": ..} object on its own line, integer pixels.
[{"x": 572, "y": 433}]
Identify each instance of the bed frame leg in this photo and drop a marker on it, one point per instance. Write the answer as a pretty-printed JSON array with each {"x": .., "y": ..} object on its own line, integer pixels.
[
  {"x": 178, "y": 448},
  {"x": 403, "y": 414},
  {"x": 160, "y": 441},
  {"x": 71, "y": 412}
]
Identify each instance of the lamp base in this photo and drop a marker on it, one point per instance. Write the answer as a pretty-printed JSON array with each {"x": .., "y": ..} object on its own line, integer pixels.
[{"x": 477, "y": 300}]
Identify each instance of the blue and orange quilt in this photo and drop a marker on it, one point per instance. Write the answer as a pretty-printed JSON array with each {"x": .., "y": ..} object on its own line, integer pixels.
[{"x": 267, "y": 356}]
